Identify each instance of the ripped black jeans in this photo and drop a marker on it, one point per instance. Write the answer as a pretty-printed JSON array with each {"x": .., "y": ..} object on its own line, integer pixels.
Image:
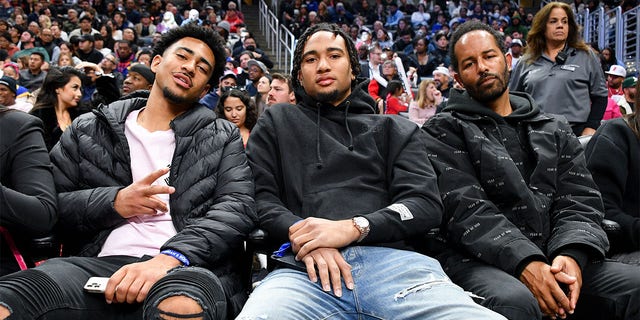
[{"x": 54, "y": 290}]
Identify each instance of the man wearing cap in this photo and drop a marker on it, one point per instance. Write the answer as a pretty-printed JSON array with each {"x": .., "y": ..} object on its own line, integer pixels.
[
  {"x": 33, "y": 77},
  {"x": 626, "y": 102},
  {"x": 442, "y": 78},
  {"x": 227, "y": 80},
  {"x": 86, "y": 50},
  {"x": 8, "y": 87},
  {"x": 84, "y": 28},
  {"x": 145, "y": 29},
  {"x": 615, "y": 76},
  {"x": 140, "y": 77},
  {"x": 515, "y": 51},
  {"x": 257, "y": 70}
]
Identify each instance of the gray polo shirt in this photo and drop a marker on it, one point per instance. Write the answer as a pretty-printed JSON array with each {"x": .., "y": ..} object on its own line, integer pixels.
[{"x": 565, "y": 89}]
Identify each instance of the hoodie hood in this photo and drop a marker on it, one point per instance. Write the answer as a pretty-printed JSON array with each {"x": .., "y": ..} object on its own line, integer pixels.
[
  {"x": 359, "y": 101},
  {"x": 523, "y": 105}
]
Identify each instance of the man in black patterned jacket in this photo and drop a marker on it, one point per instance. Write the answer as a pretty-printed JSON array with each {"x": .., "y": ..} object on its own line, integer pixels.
[
  {"x": 522, "y": 212},
  {"x": 156, "y": 194}
]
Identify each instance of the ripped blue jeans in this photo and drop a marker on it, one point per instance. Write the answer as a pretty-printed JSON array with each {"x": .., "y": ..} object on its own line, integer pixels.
[{"x": 389, "y": 284}]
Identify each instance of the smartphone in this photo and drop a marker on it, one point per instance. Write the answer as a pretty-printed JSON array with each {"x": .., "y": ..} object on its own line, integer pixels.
[{"x": 96, "y": 284}]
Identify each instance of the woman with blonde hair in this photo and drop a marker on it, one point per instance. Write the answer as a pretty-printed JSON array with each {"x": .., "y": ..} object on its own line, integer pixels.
[
  {"x": 560, "y": 71},
  {"x": 424, "y": 107}
]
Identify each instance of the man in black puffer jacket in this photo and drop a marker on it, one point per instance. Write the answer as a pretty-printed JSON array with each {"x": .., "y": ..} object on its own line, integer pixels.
[
  {"x": 156, "y": 195},
  {"x": 522, "y": 212}
]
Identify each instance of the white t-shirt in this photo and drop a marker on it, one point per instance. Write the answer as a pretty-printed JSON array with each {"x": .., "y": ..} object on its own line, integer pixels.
[{"x": 145, "y": 234}]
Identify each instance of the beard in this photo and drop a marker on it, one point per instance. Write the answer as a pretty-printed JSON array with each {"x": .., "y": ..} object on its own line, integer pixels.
[
  {"x": 492, "y": 93},
  {"x": 330, "y": 97},
  {"x": 175, "y": 99}
]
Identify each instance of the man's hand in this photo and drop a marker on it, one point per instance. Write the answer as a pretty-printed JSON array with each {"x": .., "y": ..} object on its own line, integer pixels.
[
  {"x": 331, "y": 268},
  {"x": 312, "y": 233},
  {"x": 139, "y": 197},
  {"x": 132, "y": 282},
  {"x": 541, "y": 281},
  {"x": 588, "y": 132},
  {"x": 566, "y": 270}
]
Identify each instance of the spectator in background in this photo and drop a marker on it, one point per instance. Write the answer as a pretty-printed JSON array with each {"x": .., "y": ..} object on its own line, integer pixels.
[
  {"x": 420, "y": 17},
  {"x": 443, "y": 80},
  {"x": 395, "y": 102},
  {"x": 8, "y": 92},
  {"x": 7, "y": 44},
  {"x": 378, "y": 86},
  {"x": 210, "y": 100},
  {"x": 10, "y": 69},
  {"x": 249, "y": 44},
  {"x": 281, "y": 90},
  {"x": 256, "y": 70},
  {"x": 84, "y": 29},
  {"x": 439, "y": 56},
  {"x": 33, "y": 77},
  {"x": 86, "y": 50},
  {"x": 57, "y": 102},
  {"x": 619, "y": 180},
  {"x": 383, "y": 39},
  {"x": 236, "y": 106},
  {"x": 233, "y": 17},
  {"x": 515, "y": 51},
  {"x": 263, "y": 89},
  {"x": 608, "y": 59},
  {"x": 193, "y": 18},
  {"x": 27, "y": 193},
  {"x": 615, "y": 76},
  {"x": 125, "y": 56},
  {"x": 144, "y": 57},
  {"x": 426, "y": 104},
  {"x": 139, "y": 77},
  {"x": 108, "y": 66},
  {"x": 554, "y": 46},
  {"x": 394, "y": 16},
  {"x": 145, "y": 28}
]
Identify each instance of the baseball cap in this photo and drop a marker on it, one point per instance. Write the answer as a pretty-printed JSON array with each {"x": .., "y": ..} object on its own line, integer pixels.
[
  {"x": 442, "y": 70},
  {"x": 9, "y": 82},
  {"x": 259, "y": 64},
  {"x": 516, "y": 42},
  {"x": 617, "y": 70},
  {"x": 224, "y": 25},
  {"x": 228, "y": 74},
  {"x": 86, "y": 37},
  {"x": 629, "y": 82}
]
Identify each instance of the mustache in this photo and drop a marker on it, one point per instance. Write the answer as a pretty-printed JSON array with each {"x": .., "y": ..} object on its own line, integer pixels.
[{"x": 486, "y": 75}]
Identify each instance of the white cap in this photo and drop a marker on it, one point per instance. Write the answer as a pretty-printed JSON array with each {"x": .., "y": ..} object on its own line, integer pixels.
[
  {"x": 442, "y": 70},
  {"x": 617, "y": 70}
]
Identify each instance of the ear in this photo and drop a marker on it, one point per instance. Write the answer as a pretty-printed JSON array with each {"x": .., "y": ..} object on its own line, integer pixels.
[
  {"x": 300, "y": 78},
  {"x": 155, "y": 62},
  {"x": 456, "y": 77},
  {"x": 292, "y": 97},
  {"x": 508, "y": 58}
]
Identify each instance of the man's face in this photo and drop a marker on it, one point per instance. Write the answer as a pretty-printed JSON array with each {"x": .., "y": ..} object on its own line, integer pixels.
[
  {"x": 46, "y": 35},
  {"x": 228, "y": 82},
  {"x": 375, "y": 56},
  {"x": 7, "y": 97},
  {"x": 440, "y": 79},
  {"x": 135, "y": 81},
  {"x": 108, "y": 63},
  {"x": 614, "y": 81},
  {"x": 4, "y": 43},
  {"x": 442, "y": 43},
  {"x": 255, "y": 73},
  {"x": 279, "y": 92},
  {"x": 85, "y": 46},
  {"x": 35, "y": 63},
  {"x": 85, "y": 25},
  {"x": 124, "y": 51},
  {"x": 25, "y": 37},
  {"x": 516, "y": 50},
  {"x": 243, "y": 61},
  {"x": 250, "y": 44},
  {"x": 325, "y": 69},
  {"x": 184, "y": 70},
  {"x": 483, "y": 69}
]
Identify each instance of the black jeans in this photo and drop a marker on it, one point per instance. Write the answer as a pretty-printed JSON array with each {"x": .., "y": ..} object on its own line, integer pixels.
[
  {"x": 54, "y": 290},
  {"x": 610, "y": 290}
]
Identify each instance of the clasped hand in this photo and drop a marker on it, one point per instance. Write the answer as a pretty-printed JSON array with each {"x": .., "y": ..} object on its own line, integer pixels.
[
  {"x": 544, "y": 282},
  {"x": 317, "y": 242}
]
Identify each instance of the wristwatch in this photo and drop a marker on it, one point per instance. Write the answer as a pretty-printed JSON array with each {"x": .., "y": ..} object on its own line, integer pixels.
[{"x": 362, "y": 224}]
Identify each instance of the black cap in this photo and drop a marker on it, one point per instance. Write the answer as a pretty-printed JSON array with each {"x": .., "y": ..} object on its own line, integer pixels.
[{"x": 86, "y": 37}]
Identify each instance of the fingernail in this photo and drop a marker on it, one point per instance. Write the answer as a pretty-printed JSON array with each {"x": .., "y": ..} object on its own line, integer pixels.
[
  {"x": 326, "y": 288},
  {"x": 338, "y": 293},
  {"x": 350, "y": 285},
  {"x": 108, "y": 301}
]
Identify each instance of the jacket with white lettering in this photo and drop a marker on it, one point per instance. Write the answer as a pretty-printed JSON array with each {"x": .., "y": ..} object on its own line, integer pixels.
[
  {"x": 516, "y": 188},
  {"x": 336, "y": 162}
]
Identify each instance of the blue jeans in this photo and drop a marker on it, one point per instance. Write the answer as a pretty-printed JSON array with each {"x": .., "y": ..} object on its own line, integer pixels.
[{"x": 389, "y": 284}]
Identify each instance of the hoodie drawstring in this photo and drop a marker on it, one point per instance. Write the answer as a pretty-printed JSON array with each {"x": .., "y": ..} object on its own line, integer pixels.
[
  {"x": 346, "y": 124},
  {"x": 318, "y": 157}
]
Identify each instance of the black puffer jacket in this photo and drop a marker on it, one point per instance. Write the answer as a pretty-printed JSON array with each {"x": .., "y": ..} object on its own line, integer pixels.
[
  {"x": 336, "y": 162},
  {"x": 515, "y": 188},
  {"x": 212, "y": 208}
]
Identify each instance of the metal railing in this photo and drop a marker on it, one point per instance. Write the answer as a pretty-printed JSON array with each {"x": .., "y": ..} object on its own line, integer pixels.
[{"x": 279, "y": 38}]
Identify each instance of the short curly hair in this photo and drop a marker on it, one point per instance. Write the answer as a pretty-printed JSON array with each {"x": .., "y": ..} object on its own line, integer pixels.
[
  {"x": 206, "y": 35},
  {"x": 336, "y": 30}
]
